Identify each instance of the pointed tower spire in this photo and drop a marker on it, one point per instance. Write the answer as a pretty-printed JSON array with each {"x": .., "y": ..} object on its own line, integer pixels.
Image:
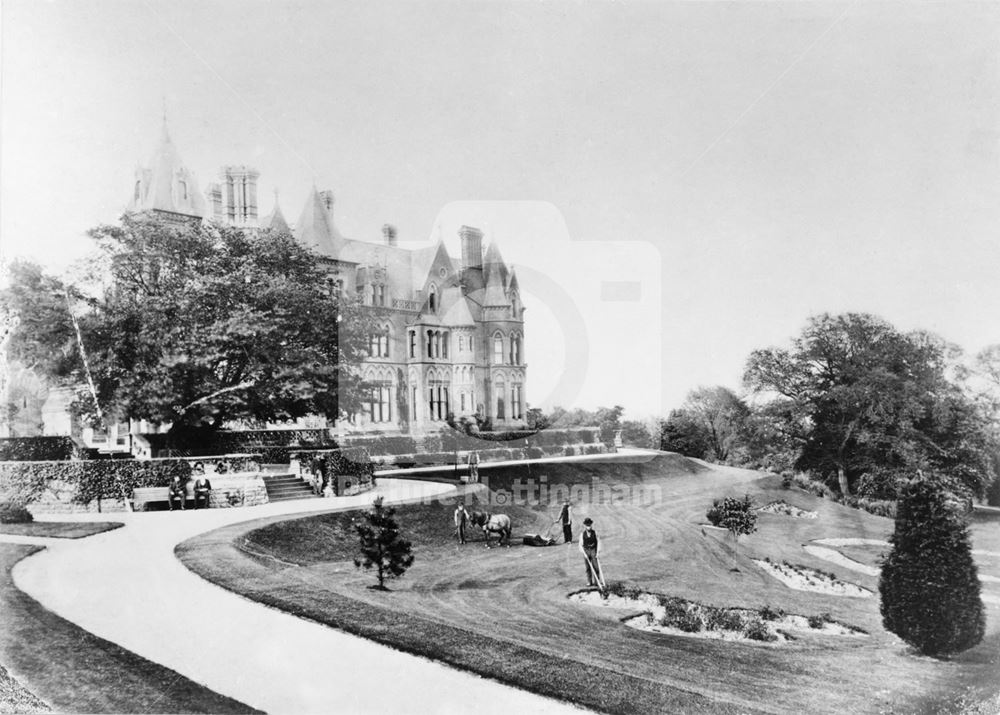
[{"x": 276, "y": 219}]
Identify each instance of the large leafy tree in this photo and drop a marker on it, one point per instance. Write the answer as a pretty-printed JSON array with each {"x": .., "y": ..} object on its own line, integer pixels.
[
  {"x": 197, "y": 325},
  {"x": 929, "y": 584},
  {"x": 863, "y": 395}
]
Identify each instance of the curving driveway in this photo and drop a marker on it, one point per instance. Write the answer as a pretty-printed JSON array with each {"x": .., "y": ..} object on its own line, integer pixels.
[{"x": 126, "y": 586}]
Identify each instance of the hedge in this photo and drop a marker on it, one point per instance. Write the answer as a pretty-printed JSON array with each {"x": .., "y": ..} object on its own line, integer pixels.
[
  {"x": 383, "y": 444},
  {"x": 272, "y": 445},
  {"x": 24, "y": 482},
  {"x": 352, "y": 461},
  {"x": 38, "y": 449}
]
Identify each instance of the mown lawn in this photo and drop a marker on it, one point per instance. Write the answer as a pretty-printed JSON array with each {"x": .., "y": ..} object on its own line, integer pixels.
[
  {"x": 60, "y": 529},
  {"x": 503, "y": 613},
  {"x": 55, "y": 662}
]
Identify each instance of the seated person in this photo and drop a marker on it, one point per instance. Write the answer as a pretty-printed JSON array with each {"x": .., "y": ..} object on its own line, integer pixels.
[
  {"x": 202, "y": 489},
  {"x": 176, "y": 492}
]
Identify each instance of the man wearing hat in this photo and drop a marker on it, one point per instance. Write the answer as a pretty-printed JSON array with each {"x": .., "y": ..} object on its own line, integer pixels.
[
  {"x": 566, "y": 519},
  {"x": 590, "y": 547}
]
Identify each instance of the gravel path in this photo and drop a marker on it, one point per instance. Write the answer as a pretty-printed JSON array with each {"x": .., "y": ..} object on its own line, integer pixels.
[{"x": 126, "y": 586}]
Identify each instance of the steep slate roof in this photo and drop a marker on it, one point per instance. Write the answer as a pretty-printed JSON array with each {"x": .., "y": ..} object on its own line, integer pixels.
[
  {"x": 276, "y": 219},
  {"x": 159, "y": 192},
  {"x": 457, "y": 311},
  {"x": 494, "y": 263},
  {"x": 315, "y": 229}
]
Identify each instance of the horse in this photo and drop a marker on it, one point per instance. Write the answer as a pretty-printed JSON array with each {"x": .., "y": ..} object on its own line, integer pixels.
[{"x": 493, "y": 524}]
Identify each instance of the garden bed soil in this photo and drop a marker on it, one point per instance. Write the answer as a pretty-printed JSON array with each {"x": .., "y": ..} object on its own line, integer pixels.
[
  {"x": 651, "y": 615},
  {"x": 802, "y": 578}
]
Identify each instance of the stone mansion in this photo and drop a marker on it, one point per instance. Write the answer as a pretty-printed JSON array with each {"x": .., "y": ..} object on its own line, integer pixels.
[{"x": 451, "y": 334}]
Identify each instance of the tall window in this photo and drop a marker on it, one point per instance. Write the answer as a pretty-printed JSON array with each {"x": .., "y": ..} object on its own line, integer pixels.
[
  {"x": 515, "y": 349},
  {"x": 497, "y": 349},
  {"x": 500, "y": 405},
  {"x": 379, "y": 402},
  {"x": 138, "y": 186},
  {"x": 413, "y": 343},
  {"x": 380, "y": 294},
  {"x": 432, "y": 299},
  {"x": 430, "y": 343},
  {"x": 515, "y": 402},
  {"x": 378, "y": 344},
  {"x": 444, "y": 344}
]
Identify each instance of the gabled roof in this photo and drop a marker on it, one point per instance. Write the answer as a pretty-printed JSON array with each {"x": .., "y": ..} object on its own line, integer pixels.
[{"x": 429, "y": 260}]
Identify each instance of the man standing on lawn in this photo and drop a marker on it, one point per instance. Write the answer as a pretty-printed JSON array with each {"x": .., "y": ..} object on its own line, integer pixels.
[
  {"x": 590, "y": 547},
  {"x": 461, "y": 519},
  {"x": 566, "y": 518}
]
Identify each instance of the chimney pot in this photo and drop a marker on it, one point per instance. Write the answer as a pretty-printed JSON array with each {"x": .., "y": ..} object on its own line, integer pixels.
[{"x": 389, "y": 234}]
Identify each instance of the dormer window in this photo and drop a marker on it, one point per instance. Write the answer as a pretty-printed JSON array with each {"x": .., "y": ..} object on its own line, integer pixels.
[{"x": 432, "y": 298}]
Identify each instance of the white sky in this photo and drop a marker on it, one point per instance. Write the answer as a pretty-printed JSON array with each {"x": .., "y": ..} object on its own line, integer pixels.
[{"x": 747, "y": 164}]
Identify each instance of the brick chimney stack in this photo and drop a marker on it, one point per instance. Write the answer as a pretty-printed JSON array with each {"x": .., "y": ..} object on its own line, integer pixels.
[
  {"x": 472, "y": 247},
  {"x": 389, "y": 234}
]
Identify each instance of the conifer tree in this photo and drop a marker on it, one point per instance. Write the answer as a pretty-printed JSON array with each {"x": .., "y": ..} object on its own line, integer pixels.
[
  {"x": 382, "y": 547},
  {"x": 929, "y": 585}
]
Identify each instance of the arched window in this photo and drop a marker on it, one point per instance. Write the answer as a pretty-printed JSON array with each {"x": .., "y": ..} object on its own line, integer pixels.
[
  {"x": 413, "y": 343},
  {"x": 430, "y": 343},
  {"x": 515, "y": 349},
  {"x": 444, "y": 344},
  {"x": 497, "y": 349},
  {"x": 500, "y": 404},
  {"x": 182, "y": 185},
  {"x": 138, "y": 189},
  {"x": 515, "y": 402},
  {"x": 432, "y": 298}
]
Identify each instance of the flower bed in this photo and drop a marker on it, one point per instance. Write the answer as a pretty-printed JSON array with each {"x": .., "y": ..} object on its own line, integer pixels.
[
  {"x": 677, "y": 616},
  {"x": 780, "y": 506},
  {"x": 803, "y": 578},
  {"x": 838, "y": 558}
]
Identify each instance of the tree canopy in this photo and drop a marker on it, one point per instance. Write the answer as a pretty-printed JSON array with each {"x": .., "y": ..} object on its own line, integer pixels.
[
  {"x": 860, "y": 395},
  {"x": 198, "y": 324}
]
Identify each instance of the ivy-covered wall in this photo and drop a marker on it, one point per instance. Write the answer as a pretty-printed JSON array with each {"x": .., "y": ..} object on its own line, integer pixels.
[{"x": 92, "y": 485}]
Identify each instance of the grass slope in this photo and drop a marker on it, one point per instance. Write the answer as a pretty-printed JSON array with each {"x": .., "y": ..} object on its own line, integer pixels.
[
  {"x": 504, "y": 613},
  {"x": 75, "y": 671}
]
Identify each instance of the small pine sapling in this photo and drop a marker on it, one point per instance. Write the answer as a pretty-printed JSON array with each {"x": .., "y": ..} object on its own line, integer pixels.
[{"x": 382, "y": 547}]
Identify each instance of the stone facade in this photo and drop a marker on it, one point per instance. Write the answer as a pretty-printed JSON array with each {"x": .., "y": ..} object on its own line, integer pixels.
[{"x": 451, "y": 331}]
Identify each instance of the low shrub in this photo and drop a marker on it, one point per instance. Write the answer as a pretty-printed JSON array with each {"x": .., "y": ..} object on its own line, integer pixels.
[
  {"x": 14, "y": 514},
  {"x": 690, "y": 622},
  {"x": 724, "y": 619},
  {"x": 714, "y": 514},
  {"x": 770, "y": 614},
  {"x": 534, "y": 453},
  {"x": 816, "y": 621},
  {"x": 616, "y": 588},
  {"x": 757, "y": 630},
  {"x": 569, "y": 451},
  {"x": 786, "y": 480}
]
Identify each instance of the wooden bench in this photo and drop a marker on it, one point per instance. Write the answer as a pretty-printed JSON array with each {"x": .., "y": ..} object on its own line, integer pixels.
[{"x": 141, "y": 496}]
